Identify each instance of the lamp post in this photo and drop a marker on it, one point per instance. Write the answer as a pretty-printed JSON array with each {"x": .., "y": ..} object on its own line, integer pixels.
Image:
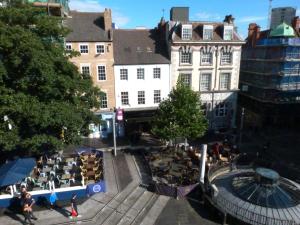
[
  {"x": 114, "y": 133},
  {"x": 241, "y": 127}
]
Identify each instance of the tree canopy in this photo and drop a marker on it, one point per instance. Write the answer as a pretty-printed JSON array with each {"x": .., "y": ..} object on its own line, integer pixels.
[
  {"x": 180, "y": 115},
  {"x": 45, "y": 102}
]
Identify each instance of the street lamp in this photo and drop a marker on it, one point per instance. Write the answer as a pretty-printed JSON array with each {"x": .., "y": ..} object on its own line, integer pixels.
[{"x": 241, "y": 127}]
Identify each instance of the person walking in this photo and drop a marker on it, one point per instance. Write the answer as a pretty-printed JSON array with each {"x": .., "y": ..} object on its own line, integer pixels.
[
  {"x": 52, "y": 200},
  {"x": 30, "y": 202},
  {"x": 74, "y": 209},
  {"x": 26, "y": 211}
]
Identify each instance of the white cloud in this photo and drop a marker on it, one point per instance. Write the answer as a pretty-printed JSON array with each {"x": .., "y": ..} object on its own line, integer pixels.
[
  {"x": 207, "y": 16},
  {"x": 119, "y": 19},
  {"x": 86, "y": 6},
  {"x": 250, "y": 19},
  {"x": 94, "y": 6}
]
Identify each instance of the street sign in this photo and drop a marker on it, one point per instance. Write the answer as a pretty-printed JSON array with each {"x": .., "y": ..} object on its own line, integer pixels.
[{"x": 119, "y": 114}]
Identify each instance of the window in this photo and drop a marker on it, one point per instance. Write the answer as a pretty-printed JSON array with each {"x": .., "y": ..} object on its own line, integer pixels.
[
  {"x": 207, "y": 32},
  {"x": 225, "y": 81},
  {"x": 100, "y": 49},
  {"x": 186, "y": 32},
  {"x": 123, "y": 74},
  {"x": 228, "y": 33},
  {"x": 84, "y": 49},
  {"x": 103, "y": 98},
  {"x": 101, "y": 73},
  {"x": 205, "y": 108},
  {"x": 156, "y": 73},
  {"x": 205, "y": 81},
  {"x": 141, "y": 97},
  {"x": 185, "y": 79},
  {"x": 226, "y": 58},
  {"x": 85, "y": 70},
  {"x": 206, "y": 58},
  {"x": 124, "y": 98},
  {"x": 69, "y": 47},
  {"x": 156, "y": 96},
  {"x": 140, "y": 74},
  {"x": 221, "y": 109},
  {"x": 186, "y": 58}
]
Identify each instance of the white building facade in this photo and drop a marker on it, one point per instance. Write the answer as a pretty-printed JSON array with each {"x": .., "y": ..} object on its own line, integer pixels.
[
  {"x": 206, "y": 57},
  {"x": 141, "y": 87}
]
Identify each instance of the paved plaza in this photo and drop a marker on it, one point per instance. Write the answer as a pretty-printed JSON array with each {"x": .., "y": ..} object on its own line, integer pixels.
[{"x": 125, "y": 202}]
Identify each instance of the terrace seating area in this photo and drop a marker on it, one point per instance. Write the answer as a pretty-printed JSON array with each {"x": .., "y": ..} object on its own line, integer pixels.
[{"x": 61, "y": 171}]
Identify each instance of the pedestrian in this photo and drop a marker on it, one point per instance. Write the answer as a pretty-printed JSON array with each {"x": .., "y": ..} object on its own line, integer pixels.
[
  {"x": 74, "y": 209},
  {"x": 27, "y": 210},
  {"x": 30, "y": 202},
  {"x": 52, "y": 200}
]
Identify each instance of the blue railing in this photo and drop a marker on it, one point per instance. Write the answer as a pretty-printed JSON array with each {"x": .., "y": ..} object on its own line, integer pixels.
[{"x": 279, "y": 41}]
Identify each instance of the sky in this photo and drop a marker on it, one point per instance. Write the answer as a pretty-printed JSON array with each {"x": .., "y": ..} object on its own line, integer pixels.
[{"x": 136, "y": 13}]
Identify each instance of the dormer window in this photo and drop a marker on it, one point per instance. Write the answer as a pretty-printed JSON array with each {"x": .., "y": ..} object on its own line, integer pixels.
[
  {"x": 208, "y": 32},
  {"x": 186, "y": 33},
  {"x": 228, "y": 33}
]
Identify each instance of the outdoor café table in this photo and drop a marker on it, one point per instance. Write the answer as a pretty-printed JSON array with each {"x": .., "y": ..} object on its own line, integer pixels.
[
  {"x": 42, "y": 179},
  {"x": 47, "y": 169},
  {"x": 69, "y": 160},
  {"x": 66, "y": 176},
  {"x": 67, "y": 167},
  {"x": 50, "y": 163},
  {"x": 90, "y": 173}
]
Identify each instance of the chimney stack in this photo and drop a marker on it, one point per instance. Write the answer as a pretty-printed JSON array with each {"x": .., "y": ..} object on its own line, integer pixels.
[
  {"x": 107, "y": 20},
  {"x": 296, "y": 24},
  {"x": 253, "y": 33},
  {"x": 229, "y": 19}
]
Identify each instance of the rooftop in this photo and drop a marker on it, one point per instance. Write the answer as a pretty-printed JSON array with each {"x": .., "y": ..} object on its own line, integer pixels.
[
  {"x": 86, "y": 27},
  {"x": 282, "y": 30},
  {"x": 142, "y": 46}
]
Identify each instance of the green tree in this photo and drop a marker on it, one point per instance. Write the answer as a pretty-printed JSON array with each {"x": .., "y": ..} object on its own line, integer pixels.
[
  {"x": 42, "y": 93},
  {"x": 180, "y": 115}
]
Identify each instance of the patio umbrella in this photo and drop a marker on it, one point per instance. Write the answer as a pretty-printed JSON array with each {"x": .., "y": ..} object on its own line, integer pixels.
[{"x": 15, "y": 171}]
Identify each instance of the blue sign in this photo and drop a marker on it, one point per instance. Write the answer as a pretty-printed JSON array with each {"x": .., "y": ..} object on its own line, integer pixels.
[{"x": 95, "y": 188}]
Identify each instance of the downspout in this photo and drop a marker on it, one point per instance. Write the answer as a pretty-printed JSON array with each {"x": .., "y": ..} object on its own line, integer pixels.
[{"x": 214, "y": 88}]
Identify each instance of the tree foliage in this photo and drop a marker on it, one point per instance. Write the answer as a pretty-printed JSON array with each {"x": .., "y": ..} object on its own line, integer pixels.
[
  {"x": 41, "y": 91},
  {"x": 180, "y": 115}
]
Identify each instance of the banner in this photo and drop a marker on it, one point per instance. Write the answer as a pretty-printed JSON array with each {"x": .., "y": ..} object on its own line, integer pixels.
[{"x": 95, "y": 188}]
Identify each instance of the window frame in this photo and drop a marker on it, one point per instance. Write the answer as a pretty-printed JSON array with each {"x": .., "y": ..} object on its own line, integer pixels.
[
  {"x": 155, "y": 74},
  {"x": 84, "y": 44},
  {"x": 181, "y": 57},
  {"x": 186, "y": 35},
  {"x": 228, "y": 86},
  {"x": 224, "y": 60},
  {"x": 221, "y": 109},
  {"x": 156, "y": 96},
  {"x": 225, "y": 37},
  {"x": 202, "y": 57},
  {"x": 105, "y": 100},
  {"x": 208, "y": 28},
  {"x": 96, "y": 48},
  {"x": 68, "y": 45},
  {"x": 187, "y": 74},
  {"x": 138, "y": 74},
  {"x": 141, "y": 97},
  {"x": 85, "y": 65},
  {"x": 124, "y": 97},
  {"x": 99, "y": 74},
  {"x": 123, "y": 75},
  {"x": 208, "y": 83}
]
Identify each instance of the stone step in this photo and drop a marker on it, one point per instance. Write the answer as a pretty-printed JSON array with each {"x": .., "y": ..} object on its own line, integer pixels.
[
  {"x": 121, "y": 207},
  {"x": 155, "y": 210}
]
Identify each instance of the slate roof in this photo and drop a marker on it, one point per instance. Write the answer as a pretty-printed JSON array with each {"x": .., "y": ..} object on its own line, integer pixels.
[
  {"x": 197, "y": 34},
  {"x": 86, "y": 27},
  {"x": 140, "y": 46}
]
